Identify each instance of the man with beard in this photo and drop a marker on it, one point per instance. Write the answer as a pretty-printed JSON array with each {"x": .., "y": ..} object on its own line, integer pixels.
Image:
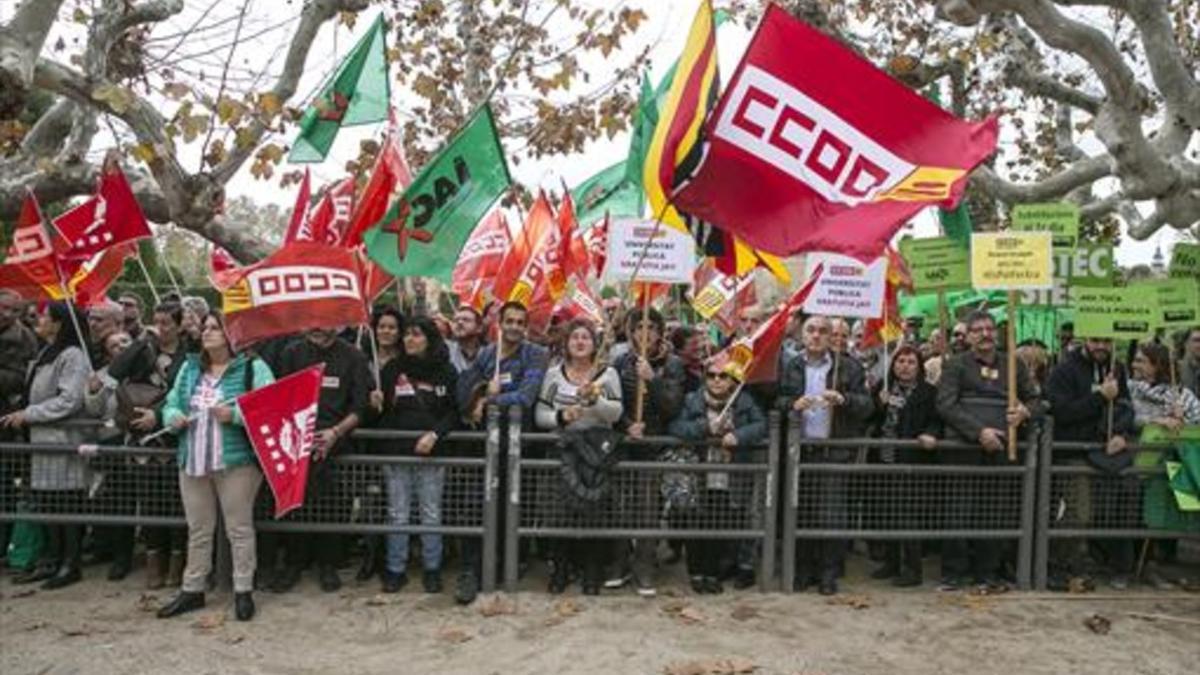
[
  {"x": 345, "y": 391},
  {"x": 103, "y": 319},
  {"x": 972, "y": 400},
  {"x": 467, "y": 329},
  {"x": 1081, "y": 390}
]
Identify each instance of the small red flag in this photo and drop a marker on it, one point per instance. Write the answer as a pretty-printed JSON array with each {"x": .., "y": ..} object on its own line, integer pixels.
[
  {"x": 389, "y": 175},
  {"x": 596, "y": 242},
  {"x": 331, "y": 216},
  {"x": 298, "y": 223},
  {"x": 756, "y": 356},
  {"x": 112, "y": 216},
  {"x": 281, "y": 421},
  {"x": 511, "y": 283}
]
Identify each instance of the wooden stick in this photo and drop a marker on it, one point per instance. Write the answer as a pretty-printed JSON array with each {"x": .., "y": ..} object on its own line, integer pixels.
[
  {"x": 374, "y": 358},
  {"x": 1011, "y": 340},
  {"x": 166, "y": 267},
  {"x": 942, "y": 319}
]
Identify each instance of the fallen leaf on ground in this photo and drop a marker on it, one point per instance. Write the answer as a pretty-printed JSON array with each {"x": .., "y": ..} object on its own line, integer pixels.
[
  {"x": 81, "y": 631},
  {"x": 210, "y": 621},
  {"x": 692, "y": 615},
  {"x": 379, "y": 600},
  {"x": 453, "y": 635},
  {"x": 744, "y": 613},
  {"x": 497, "y": 604},
  {"x": 674, "y": 606},
  {"x": 852, "y": 601},
  {"x": 1098, "y": 624},
  {"x": 234, "y": 639},
  {"x": 1080, "y": 585},
  {"x": 729, "y": 666},
  {"x": 147, "y": 602}
]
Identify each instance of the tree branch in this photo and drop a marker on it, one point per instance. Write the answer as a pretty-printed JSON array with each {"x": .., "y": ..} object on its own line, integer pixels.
[
  {"x": 1082, "y": 172},
  {"x": 1018, "y": 74},
  {"x": 1173, "y": 77},
  {"x": 21, "y": 41}
]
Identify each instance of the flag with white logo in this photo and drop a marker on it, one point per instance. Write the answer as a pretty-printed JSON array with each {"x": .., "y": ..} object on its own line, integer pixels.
[
  {"x": 813, "y": 148},
  {"x": 112, "y": 216},
  {"x": 281, "y": 422}
]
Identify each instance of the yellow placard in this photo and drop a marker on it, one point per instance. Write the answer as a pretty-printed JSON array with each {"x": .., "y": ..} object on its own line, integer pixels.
[{"x": 1012, "y": 260}]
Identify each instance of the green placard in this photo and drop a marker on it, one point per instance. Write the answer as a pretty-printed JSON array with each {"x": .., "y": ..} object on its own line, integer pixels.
[
  {"x": 1081, "y": 265},
  {"x": 1128, "y": 312},
  {"x": 938, "y": 264},
  {"x": 1061, "y": 219},
  {"x": 1178, "y": 302},
  {"x": 1185, "y": 261}
]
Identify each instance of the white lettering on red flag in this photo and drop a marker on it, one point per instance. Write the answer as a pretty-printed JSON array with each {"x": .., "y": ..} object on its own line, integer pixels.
[{"x": 280, "y": 420}]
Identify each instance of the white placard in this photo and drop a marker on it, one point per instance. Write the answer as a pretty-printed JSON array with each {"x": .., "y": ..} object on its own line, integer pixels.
[
  {"x": 671, "y": 258},
  {"x": 847, "y": 287}
]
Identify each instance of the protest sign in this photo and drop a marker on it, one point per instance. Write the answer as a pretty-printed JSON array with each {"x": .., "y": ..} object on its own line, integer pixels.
[
  {"x": 1080, "y": 265},
  {"x": 938, "y": 264},
  {"x": 718, "y": 291},
  {"x": 1185, "y": 261},
  {"x": 847, "y": 287},
  {"x": 1178, "y": 303},
  {"x": 1128, "y": 312},
  {"x": 671, "y": 258},
  {"x": 1060, "y": 219},
  {"x": 1011, "y": 260}
]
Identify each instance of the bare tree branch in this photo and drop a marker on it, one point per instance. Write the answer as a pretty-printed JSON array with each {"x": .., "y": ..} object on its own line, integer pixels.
[
  {"x": 1081, "y": 173},
  {"x": 21, "y": 41},
  {"x": 1018, "y": 74}
]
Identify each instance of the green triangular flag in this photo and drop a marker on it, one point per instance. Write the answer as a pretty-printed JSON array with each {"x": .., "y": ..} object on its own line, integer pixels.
[
  {"x": 423, "y": 232},
  {"x": 359, "y": 93},
  {"x": 607, "y": 192}
]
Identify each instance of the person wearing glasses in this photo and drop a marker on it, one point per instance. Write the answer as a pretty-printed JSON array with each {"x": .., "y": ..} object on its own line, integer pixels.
[
  {"x": 722, "y": 428},
  {"x": 829, "y": 392},
  {"x": 972, "y": 401}
]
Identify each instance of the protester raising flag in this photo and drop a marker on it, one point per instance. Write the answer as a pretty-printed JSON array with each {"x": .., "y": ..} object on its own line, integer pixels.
[
  {"x": 322, "y": 284},
  {"x": 480, "y": 260},
  {"x": 281, "y": 419},
  {"x": 423, "y": 232},
  {"x": 112, "y": 216},
  {"x": 756, "y": 357},
  {"x": 832, "y": 169},
  {"x": 357, "y": 94}
]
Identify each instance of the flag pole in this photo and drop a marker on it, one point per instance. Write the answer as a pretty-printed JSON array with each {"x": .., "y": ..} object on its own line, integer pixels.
[
  {"x": 1011, "y": 339},
  {"x": 63, "y": 284},
  {"x": 149, "y": 281},
  {"x": 166, "y": 266},
  {"x": 374, "y": 357},
  {"x": 639, "y": 403}
]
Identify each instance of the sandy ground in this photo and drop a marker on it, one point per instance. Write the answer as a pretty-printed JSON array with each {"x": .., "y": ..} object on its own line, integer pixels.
[{"x": 103, "y": 627}]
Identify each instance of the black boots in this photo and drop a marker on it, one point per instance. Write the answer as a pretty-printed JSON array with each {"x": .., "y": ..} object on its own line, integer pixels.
[
  {"x": 243, "y": 606},
  {"x": 185, "y": 601}
]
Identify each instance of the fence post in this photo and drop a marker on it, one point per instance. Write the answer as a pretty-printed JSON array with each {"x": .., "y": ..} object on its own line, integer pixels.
[
  {"x": 491, "y": 510},
  {"x": 1041, "y": 547},
  {"x": 512, "y": 514},
  {"x": 791, "y": 503},
  {"x": 1026, "y": 545},
  {"x": 770, "y": 511}
]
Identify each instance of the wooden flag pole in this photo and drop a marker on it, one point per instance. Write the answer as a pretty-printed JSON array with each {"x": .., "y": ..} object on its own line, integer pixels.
[
  {"x": 942, "y": 321},
  {"x": 1010, "y": 336},
  {"x": 149, "y": 281},
  {"x": 1112, "y": 372},
  {"x": 166, "y": 266}
]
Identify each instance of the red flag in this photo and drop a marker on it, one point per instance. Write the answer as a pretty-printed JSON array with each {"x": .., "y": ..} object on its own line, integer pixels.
[
  {"x": 298, "y": 224},
  {"x": 390, "y": 174},
  {"x": 220, "y": 261},
  {"x": 302, "y": 285},
  {"x": 596, "y": 242},
  {"x": 90, "y": 283},
  {"x": 331, "y": 216},
  {"x": 375, "y": 278},
  {"x": 30, "y": 265},
  {"x": 573, "y": 252},
  {"x": 756, "y": 357},
  {"x": 838, "y": 154},
  {"x": 581, "y": 302},
  {"x": 281, "y": 422},
  {"x": 539, "y": 225},
  {"x": 112, "y": 216},
  {"x": 890, "y": 326},
  {"x": 480, "y": 259}
]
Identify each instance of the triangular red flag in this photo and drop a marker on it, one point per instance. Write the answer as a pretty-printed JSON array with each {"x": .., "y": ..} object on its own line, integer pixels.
[
  {"x": 757, "y": 355},
  {"x": 281, "y": 420},
  {"x": 112, "y": 216},
  {"x": 389, "y": 175},
  {"x": 297, "y": 224}
]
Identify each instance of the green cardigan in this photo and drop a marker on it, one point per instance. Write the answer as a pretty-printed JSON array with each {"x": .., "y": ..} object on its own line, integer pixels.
[{"x": 236, "y": 445}]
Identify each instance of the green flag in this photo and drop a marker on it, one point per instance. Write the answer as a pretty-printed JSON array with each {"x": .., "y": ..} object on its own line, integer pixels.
[
  {"x": 358, "y": 94},
  {"x": 645, "y": 119},
  {"x": 607, "y": 192},
  {"x": 956, "y": 224},
  {"x": 423, "y": 232}
]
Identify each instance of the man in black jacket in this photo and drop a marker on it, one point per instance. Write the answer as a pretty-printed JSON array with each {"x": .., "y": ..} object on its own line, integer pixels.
[
  {"x": 972, "y": 401},
  {"x": 829, "y": 392},
  {"x": 345, "y": 388},
  {"x": 1082, "y": 390}
]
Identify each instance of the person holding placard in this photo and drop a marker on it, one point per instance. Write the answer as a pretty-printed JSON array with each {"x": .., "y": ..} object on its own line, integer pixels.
[{"x": 972, "y": 400}]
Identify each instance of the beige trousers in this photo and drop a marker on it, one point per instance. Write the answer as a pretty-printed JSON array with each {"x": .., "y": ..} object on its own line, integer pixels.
[{"x": 234, "y": 490}]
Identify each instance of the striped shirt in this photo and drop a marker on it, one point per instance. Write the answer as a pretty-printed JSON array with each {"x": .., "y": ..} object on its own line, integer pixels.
[{"x": 207, "y": 452}]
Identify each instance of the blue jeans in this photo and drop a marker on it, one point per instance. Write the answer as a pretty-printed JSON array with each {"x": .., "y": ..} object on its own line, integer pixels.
[{"x": 427, "y": 483}]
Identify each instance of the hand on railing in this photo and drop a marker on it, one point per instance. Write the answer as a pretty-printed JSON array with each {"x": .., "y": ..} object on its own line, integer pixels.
[
  {"x": 1115, "y": 446},
  {"x": 144, "y": 419},
  {"x": 991, "y": 439},
  {"x": 425, "y": 443},
  {"x": 927, "y": 442},
  {"x": 13, "y": 420}
]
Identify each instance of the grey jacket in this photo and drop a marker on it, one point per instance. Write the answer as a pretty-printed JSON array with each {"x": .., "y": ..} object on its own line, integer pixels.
[
  {"x": 557, "y": 393},
  {"x": 56, "y": 396}
]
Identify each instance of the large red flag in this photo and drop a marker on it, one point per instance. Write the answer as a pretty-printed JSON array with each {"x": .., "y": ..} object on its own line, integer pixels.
[
  {"x": 112, "y": 216},
  {"x": 298, "y": 223},
  {"x": 281, "y": 422},
  {"x": 756, "y": 356},
  {"x": 539, "y": 224},
  {"x": 302, "y": 285},
  {"x": 480, "y": 259},
  {"x": 31, "y": 266},
  {"x": 389, "y": 175},
  {"x": 813, "y": 148}
]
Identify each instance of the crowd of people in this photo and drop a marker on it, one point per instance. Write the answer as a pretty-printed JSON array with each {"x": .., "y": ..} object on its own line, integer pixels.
[{"x": 637, "y": 376}]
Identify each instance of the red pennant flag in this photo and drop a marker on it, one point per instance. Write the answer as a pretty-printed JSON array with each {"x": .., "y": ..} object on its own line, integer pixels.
[
  {"x": 331, "y": 216},
  {"x": 596, "y": 242},
  {"x": 302, "y": 285},
  {"x": 480, "y": 259},
  {"x": 112, "y": 216},
  {"x": 573, "y": 253},
  {"x": 832, "y": 169},
  {"x": 297, "y": 225},
  {"x": 756, "y": 357},
  {"x": 389, "y": 175},
  {"x": 281, "y": 422},
  {"x": 539, "y": 225},
  {"x": 581, "y": 303},
  {"x": 30, "y": 265}
]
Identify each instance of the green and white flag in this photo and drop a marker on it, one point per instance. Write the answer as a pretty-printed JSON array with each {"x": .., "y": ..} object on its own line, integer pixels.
[
  {"x": 423, "y": 231},
  {"x": 607, "y": 192},
  {"x": 358, "y": 94}
]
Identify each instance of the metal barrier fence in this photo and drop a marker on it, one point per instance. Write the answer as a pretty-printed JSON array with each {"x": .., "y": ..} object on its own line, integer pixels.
[
  {"x": 830, "y": 496},
  {"x": 636, "y": 507},
  {"x": 1077, "y": 501}
]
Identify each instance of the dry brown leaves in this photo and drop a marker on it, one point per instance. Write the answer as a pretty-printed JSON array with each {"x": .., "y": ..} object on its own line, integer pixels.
[
  {"x": 210, "y": 621},
  {"x": 83, "y": 630},
  {"x": 1098, "y": 624},
  {"x": 684, "y": 612},
  {"x": 563, "y": 610},
  {"x": 497, "y": 604},
  {"x": 724, "y": 666},
  {"x": 147, "y": 602},
  {"x": 23, "y": 593},
  {"x": 744, "y": 613},
  {"x": 454, "y": 635},
  {"x": 1080, "y": 585},
  {"x": 851, "y": 600}
]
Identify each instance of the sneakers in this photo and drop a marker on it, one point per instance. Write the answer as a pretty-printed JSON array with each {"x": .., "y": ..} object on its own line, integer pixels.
[
  {"x": 394, "y": 581},
  {"x": 618, "y": 581}
]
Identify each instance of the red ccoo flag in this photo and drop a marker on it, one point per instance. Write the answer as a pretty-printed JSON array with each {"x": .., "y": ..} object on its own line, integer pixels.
[
  {"x": 281, "y": 420},
  {"x": 480, "y": 259},
  {"x": 297, "y": 229},
  {"x": 539, "y": 224},
  {"x": 832, "y": 168},
  {"x": 112, "y": 216}
]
